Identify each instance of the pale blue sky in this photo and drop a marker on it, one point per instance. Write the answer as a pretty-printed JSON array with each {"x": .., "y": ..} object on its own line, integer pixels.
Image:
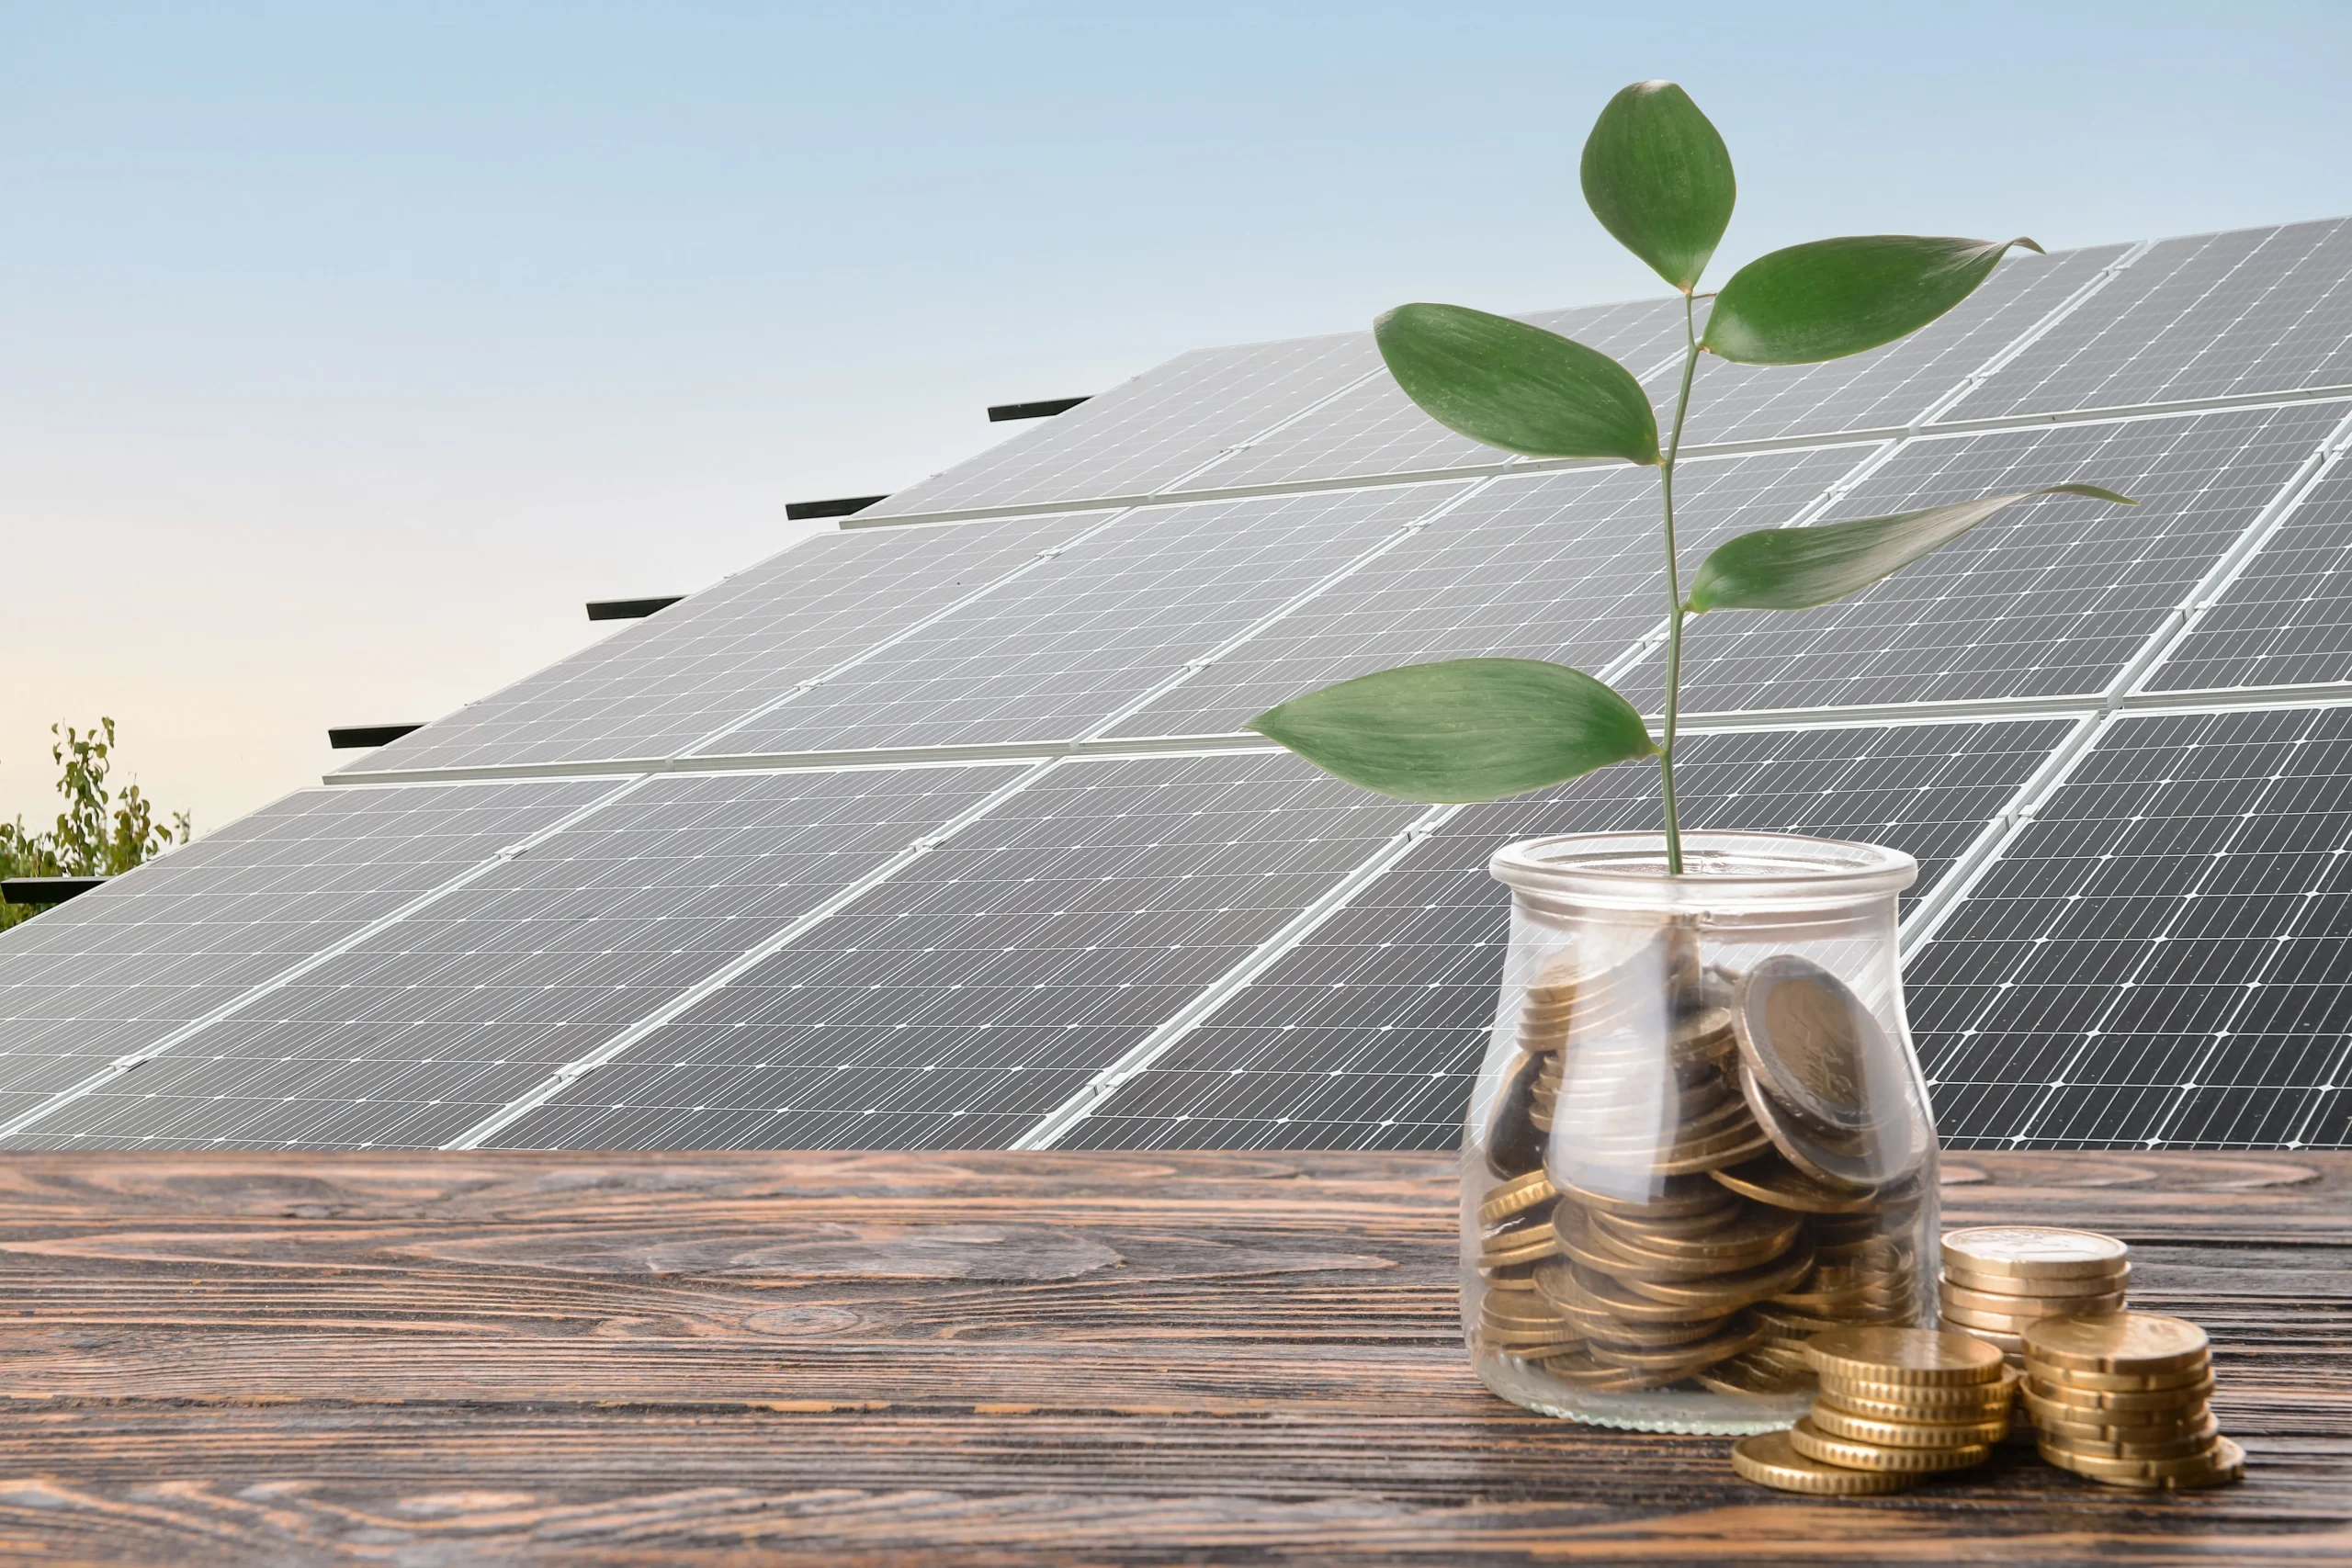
[{"x": 346, "y": 349}]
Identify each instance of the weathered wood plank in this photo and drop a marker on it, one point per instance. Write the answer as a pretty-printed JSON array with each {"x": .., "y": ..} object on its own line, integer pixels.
[{"x": 241, "y": 1357}]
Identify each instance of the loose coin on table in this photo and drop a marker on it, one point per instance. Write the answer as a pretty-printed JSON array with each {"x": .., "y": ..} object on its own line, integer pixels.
[{"x": 1770, "y": 1459}]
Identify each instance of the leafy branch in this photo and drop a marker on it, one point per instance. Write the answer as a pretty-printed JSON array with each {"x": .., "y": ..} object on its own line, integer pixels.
[
  {"x": 98, "y": 834},
  {"x": 1656, "y": 174}
]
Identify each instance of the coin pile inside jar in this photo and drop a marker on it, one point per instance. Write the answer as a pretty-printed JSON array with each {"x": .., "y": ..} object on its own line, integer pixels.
[
  {"x": 1998, "y": 1279},
  {"x": 1896, "y": 1406},
  {"x": 1702, "y": 1215},
  {"x": 2122, "y": 1399}
]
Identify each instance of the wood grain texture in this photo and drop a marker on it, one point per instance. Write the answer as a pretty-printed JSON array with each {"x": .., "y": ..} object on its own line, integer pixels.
[{"x": 993, "y": 1357}]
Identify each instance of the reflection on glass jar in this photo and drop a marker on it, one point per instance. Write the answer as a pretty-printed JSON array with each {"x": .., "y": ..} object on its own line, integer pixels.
[{"x": 1699, "y": 1135}]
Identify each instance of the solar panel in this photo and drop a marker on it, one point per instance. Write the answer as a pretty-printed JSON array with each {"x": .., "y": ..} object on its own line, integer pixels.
[
  {"x": 2162, "y": 957},
  {"x": 1373, "y": 429},
  {"x": 1897, "y": 385},
  {"x": 1069, "y": 643},
  {"x": 2049, "y": 597},
  {"x": 1151, "y": 431},
  {"x": 2288, "y": 618},
  {"x": 720, "y": 933},
  {"x": 123, "y": 967},
  {"x": 724, "y": 654},
  {"x": 416, "y": 1033},
  {"x": 954, "y": 1005},
  {"x": 1369, "y": 1032},
  {"x": 1565, "y": 565},
  {"x": 2256, "y": 311}
]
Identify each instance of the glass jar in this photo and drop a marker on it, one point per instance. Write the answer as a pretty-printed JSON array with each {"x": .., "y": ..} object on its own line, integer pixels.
[{"x": 1700, "y": 1133}]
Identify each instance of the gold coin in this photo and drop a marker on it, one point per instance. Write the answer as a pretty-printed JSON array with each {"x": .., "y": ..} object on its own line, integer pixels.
[
  {"x": 1723, "y": 1292},
  {"x": 2175, "y": 1424},
  {"x": 1743, "y": 1374},
  {"x": 1805, "y": 1033},
  {"x": 1880, "y": 1409},
  {"x": 2225, "y": 1462},
  {"x": 1598, "y": 1292},
  {"x": 1602, "y": 1328},
  {"x": 2033, "y": 1288},
  {"x": 1968, "y": 1305},
  {"x": 1577, "y": 1367},
  {"x": 2042, "y": 1252},
  {"x": 2192, "y": 1440},
  {"x": 1838, "y": 1422},
  {"x": 2192, "y": 1466},
  {"x": 2039, "y": 1386},
  {"x": 1851, "y": 1158},
  {"x": 1682, "y": 1360},
  {"x": 1999, "y": 1322},
  {"x": 1906, "y": 1355},
  {"x": 1587, "y": 1244},
  {"x": 1929, "y": 1396},
  {"x": 1775, "y": 1181},
  {"x": 2128, "y": 1383},
  {"x": 1753, "y": 1235},
  {"x": 1770, "y": 1459},
  {"x": 2008, "y": 1344},
  {"x": 1816, "y": 1444},
  {"x": 2121, "y": 1342},
  {"x": 1667, "y": 1199},
  {"x": 1675, "y": 1227},
  {"x": 1514, "y": 1196}
]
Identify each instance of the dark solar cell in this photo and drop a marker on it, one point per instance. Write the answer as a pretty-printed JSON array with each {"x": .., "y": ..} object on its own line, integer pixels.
[
  {"x": 121, "y": 967},
  {"x": 1150, "y": 432},
  {"x": 2051, "y": 597},
  {"x": 1567, "y": 566},
  {"x": 2287, "y": 619},
  {"x": 1369, "y": 1034},
  {"x": 2163, "y": 955},
  {"x": 962, "y": 1001},
  {"x": 2213, "y": 315},
  {"x": 1051, "y": 656},
  {"x": 427, "y": 1027},
  {"x": 725, "y": 653}
]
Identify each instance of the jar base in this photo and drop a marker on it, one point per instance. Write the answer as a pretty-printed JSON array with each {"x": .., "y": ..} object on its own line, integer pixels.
[{"x": 1705, "y": 1415}]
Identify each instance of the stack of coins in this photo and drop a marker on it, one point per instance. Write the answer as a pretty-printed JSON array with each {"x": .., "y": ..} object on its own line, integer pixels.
[
  {"x": 1896, "y": 1406},
  {"x": 1998, "y": 1279},
  {"x": 2122, "y": 1399},
  {"x": 1703, "y": 1205}
]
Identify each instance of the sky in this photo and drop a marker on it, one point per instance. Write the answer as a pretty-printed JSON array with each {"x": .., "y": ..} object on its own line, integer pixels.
[{"x": 346, "y": 350}]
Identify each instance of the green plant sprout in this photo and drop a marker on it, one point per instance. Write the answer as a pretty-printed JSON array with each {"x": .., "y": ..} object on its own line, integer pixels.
[{"x": 1657, "y": 175}]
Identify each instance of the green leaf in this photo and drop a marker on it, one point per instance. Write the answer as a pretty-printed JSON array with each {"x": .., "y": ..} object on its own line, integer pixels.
[
  {"x": 1795, "y": 568},
  {"x": 1658, "y": 178},
  {"x": 1517, "y": 387},
  {"x": 1832, "y": 298},
  {"x": 1465, "y": 729}
]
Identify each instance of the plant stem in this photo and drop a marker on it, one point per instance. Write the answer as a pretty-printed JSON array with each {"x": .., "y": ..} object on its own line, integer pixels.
[{"x": 1674, "y": 590}]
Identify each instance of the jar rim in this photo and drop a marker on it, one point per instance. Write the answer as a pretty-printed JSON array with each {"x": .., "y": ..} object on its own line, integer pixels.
[{"x": 1722, "y": 869}]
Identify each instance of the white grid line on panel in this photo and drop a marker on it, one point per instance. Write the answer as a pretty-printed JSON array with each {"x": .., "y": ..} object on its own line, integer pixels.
[
  {"x": 1056, "y": 1124},
  {"x": 2131, "y": 681},
  {"x": 293, "y": 972},
  {"x": 1989, "y": 424},
  {"x": 554, "y": 1083}
]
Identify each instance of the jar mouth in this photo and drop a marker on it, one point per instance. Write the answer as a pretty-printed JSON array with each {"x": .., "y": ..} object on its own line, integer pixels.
[{"x": 1720, "y": 870}]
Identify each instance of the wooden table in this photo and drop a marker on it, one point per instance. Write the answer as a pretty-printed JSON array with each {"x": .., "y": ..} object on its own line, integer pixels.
[{"x": 435, "y": 1359}]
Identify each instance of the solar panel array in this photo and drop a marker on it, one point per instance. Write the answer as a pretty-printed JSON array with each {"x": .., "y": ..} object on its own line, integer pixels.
[{"x": 943, "y": 830}]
